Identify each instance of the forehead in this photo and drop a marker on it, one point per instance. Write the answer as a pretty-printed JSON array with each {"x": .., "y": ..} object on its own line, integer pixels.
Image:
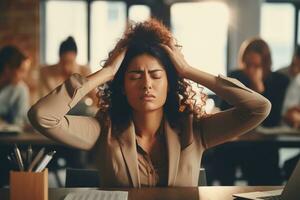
[
  {"x": 143, "y": 62},
  {"x": 253, "y": 56}
]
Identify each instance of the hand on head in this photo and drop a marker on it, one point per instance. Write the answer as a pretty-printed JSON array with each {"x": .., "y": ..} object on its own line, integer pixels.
[
  {"x": 255, "y": 74},
  {"x": 116, "y": 60},
  {"x": 176, "y": 56}
]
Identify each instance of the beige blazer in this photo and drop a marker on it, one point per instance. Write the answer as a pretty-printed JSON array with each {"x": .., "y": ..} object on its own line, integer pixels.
[{"x": 117, "y": 155}]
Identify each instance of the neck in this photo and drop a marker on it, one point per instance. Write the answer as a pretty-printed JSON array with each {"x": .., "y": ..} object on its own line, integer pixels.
[
  {"x": 3, "y": 81},
  {"x": 147, "y": 124}
]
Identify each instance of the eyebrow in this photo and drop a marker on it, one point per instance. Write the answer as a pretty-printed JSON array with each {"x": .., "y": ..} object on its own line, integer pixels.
[{"x": 142, "y": 71}]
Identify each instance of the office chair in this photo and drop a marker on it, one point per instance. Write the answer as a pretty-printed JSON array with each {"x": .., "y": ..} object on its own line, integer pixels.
[
  {"x": 202, "y": 178},
  {"x": 82, "y": 178},
  {"x": 90, "y": 178}
]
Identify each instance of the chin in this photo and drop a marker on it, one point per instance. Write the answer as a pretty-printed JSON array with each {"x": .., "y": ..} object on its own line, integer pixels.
[{"x": 149, "y": 108}]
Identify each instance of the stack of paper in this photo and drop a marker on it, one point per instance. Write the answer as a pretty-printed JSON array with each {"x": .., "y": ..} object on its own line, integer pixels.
[{"x": 97, "y": 195}]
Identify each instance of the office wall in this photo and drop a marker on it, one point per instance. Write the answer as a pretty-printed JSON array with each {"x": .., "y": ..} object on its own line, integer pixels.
[
  {"x": 19, "y": 25},
  {"x": 244, "y": 24}
]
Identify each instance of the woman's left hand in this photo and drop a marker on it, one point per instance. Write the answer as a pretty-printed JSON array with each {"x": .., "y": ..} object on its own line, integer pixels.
[{"x": 177, "y": 58}]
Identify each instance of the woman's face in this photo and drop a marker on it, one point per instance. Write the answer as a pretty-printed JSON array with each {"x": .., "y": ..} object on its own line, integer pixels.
[
  {"x": 18, "y": 74},
  {"x": 253, "y": 65},
  {"x": 145, "y": 84},
  {"x": 68, "y": 61},
  {"x": 253, "y": 60}
]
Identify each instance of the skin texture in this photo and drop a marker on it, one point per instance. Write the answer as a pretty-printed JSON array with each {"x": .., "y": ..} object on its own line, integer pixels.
[
  {"x": 146, "y": 84},
  {"x": 253, "y": 69},
  {"x": 14, "y": 76},
  {"x": 68, "y": 61},
  {"x": 146, "y": 87}
]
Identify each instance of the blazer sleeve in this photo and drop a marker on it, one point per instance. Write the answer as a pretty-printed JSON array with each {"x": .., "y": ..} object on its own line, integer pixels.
[
  {"x": 248, "y": 111},
  {"x": 49, "y": 115}
]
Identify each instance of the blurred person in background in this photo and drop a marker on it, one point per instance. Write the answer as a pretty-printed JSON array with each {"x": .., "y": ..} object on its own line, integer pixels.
[
  {"x": 14, "y": 93},
  {"x": 14, "y": 98},
  {"x": 291, "y": 105},
  {"x": 293, "y": 69},
  {"x": 54, "y": 75},
  {"x": 259, "y": 163}
]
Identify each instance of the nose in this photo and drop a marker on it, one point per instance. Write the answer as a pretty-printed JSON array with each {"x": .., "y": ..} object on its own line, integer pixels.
[{"x": 147, "y": 85}]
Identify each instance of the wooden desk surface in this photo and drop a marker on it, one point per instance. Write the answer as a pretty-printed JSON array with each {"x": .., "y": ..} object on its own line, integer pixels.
[
  {"x": 187, "y": 193},
  {"x": 26, "y": 138}
]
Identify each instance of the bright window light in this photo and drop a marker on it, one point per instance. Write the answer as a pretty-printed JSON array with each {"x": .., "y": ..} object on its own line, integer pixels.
[
  {"x": 139, "y": 13},
  {"x": 201, "y": 28},
  {"x": 277, "y": 28},
  {"x": 63, "y": 19},
  {"x": 108, "y": 22}
]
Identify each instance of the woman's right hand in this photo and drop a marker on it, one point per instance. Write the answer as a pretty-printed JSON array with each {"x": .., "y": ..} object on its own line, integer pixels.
[
  {"x": 255, "y": 74},
  {"x": 107, "y": 73},
  {"x": 115, "y": 61}
]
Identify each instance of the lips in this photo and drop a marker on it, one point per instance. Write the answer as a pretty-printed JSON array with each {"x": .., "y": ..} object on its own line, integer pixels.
[{"x": 147, "y": 97}]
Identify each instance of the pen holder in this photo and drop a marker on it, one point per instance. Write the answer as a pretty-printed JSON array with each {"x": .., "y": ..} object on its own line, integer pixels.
[{"x": 29, "y": 185}]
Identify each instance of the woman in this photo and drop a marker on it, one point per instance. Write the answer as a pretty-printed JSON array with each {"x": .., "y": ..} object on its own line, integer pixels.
[
  {"x": 53, "y": 75},
  {"x": 14, "y": 93},
  {"x": 14, "y": 98},
  {"x": 147, "y": 132},
  {"x": 259, "y": 163}
]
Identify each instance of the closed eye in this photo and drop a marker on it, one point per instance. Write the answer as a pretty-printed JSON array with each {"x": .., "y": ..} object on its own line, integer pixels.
[
  {"x": 156, "y": 74},
  {"x": 135, "y": 76}
]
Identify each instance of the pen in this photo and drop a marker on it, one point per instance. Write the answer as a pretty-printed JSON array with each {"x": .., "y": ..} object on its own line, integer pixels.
[
  {"x": 19, "y": 158},
  {"x": 36, "y": 159},
  {"x": 45, "y": 161},
  {"x": 29, "y": 156},
  {"x": 14, "y": 161}
]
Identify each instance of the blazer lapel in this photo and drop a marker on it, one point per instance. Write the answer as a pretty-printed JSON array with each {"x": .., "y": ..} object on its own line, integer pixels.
[
  {"x": 127, "y": 142},
  {"x": 173, "y": 145}
]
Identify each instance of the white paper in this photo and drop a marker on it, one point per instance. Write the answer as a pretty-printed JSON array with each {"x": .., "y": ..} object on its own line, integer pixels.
[{"x": 97, "y": 195}]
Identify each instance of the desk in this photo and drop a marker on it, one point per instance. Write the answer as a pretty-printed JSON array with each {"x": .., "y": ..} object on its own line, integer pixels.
[
  {"x": 26, "y": 138},
  {"x": 187, "y": 193},
  {"x": 282, "y": 137},
  {"x": 73, "y": 157}
]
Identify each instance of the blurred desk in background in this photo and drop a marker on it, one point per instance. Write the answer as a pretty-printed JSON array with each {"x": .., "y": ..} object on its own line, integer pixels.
[
  {"x": 65, "y": 157},
  {"x": 282, "y": 137},
  {"x": 26, "y": 138}
]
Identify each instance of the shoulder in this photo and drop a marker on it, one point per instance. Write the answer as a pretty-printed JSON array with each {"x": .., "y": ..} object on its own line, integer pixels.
[
  {"x": 283, "y": 70},
  {"x": 22, "y": 88},
  {"x": 48, "y": 69},
  {"x": 236, "y": 73},
  {"x": 279, "y": 77},
  {"x": 84, "y": 70},
  {"x": 239, "y": 75},
  {"x": 296, "y": 81},
  {"x": 18, "y": 91}
]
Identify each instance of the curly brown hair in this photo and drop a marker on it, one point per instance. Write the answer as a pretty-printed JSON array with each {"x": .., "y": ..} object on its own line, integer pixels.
[{"x": 141, "y": 38}]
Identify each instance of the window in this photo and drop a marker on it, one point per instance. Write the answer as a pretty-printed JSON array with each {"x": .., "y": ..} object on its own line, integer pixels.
[
  {"x": 72, "y": 18},
  {"x": 277, "y": 28},
  {"x": 201, "y": 28},
  {"x": 108, "y": 22},
  {"x": 139, "y": 13}
]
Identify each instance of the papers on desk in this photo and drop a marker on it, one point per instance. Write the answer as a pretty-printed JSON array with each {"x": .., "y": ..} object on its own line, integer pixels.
[
  {"x": 6, "y": 128},
  {"x": 97, "y": 194},
  {"x": 278, "y": 130}
]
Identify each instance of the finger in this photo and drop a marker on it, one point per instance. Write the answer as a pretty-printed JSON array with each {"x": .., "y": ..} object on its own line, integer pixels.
[
  {"x": 167, "y": 48},
  {"x": 179, "y": 47}
]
